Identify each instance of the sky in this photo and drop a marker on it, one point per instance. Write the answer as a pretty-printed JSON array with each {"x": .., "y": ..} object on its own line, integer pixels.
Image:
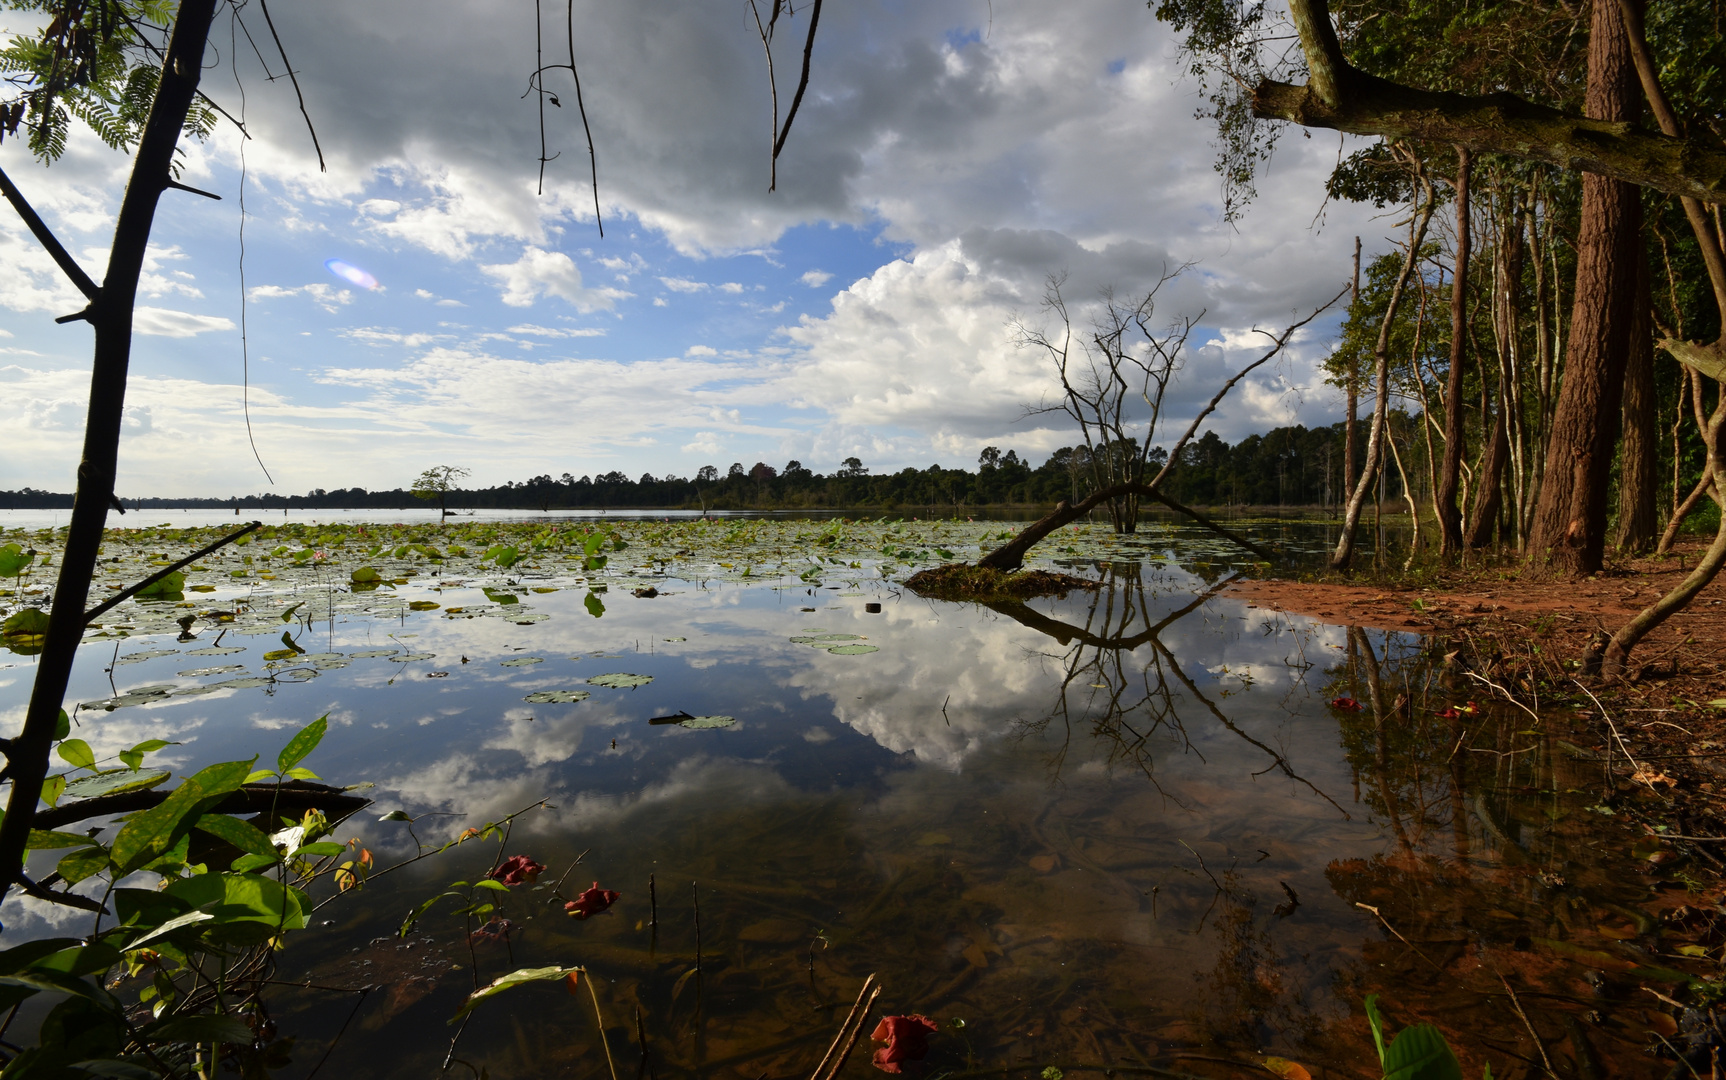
[{"x": 949, "y": 158}]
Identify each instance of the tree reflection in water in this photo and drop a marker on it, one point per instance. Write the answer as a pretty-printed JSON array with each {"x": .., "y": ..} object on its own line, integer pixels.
[{"x": 1133, "y": 696}]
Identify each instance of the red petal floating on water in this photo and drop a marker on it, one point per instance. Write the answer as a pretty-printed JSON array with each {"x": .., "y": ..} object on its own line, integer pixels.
[
  {"x": 907, "y": 1039},
  {"x": 517, "y": 869},
  {"x": 591, "y": 902}
]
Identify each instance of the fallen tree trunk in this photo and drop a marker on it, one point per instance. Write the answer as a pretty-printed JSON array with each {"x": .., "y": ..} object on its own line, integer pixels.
[{"x": 1011, "y": 555}]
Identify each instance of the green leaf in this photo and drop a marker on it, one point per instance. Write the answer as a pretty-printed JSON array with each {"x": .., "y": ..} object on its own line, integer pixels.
[
  {"x": 488, "y": 883},
  {"x": 77, "y": 753},
  {"x": 594, "y": 605},
  {"x": 415, "y": 915},
  {"x": 365, "y": 575},
  {"x": 52, "y": 788},
  {"x": 248, "y": 907},
  {"x": 301, "y": 774},
  {"x": 190, "y": 918},
  {"x": 83, "y": 863},
  {"x": 288, "y": 643},
  {"x": 258, "y": 776},
  {"x": 1376, "y": 1022},
  {"x": 29, "y": 622},
  {"x": 170, "y": 586},
  {"x": 505, "y": 982},
  {"x": 62, "y": 726},
  {"x": 321, "y": 849},
  {"x": 288, "y": 612},
  {"x": 199, "y": 1029},
  {"x": 1419, "y": 1052},
  {"x": 13, "y": 560},
  {"x": 396, "y": 815},
  {"x": 242, "y": 834},
  {"x": 41, "y": 840},
  {"x": 303, "y": 743},
  {"x": 150, "y": 833}
]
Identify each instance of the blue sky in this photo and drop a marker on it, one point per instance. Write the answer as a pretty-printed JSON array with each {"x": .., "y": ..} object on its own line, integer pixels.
[{"x": 949, "y": 157}]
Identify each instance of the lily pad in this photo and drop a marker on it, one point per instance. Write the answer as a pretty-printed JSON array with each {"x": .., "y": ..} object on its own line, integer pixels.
[
  {"x": 412, "y": 656},
  {"x": 704, "y": 723},
  {"x": 423, "y": 605},
  {"x": 526, "y": 618},
  {"x": 524, "y": 661},
  {"x": 148, "y": 654},
  {"x": 217, "y": 650},
  {"x": 813, "y": 639},
  {"x": 314, "y": 657},
  {"x": 372, "y": 653},
  {"x": 241, "y": 684},
  {"x": 621, "y": 681},
  {"x": 676, "y": 639},
  {"x": 111, "y": 783},
  {"x": 297, "y": 674},
  {"x": 331, "y": 665},
  {"x": 198, "y": 673},
  {"x": 852, "y": 650},
  {"x": 561, "y": 696}
]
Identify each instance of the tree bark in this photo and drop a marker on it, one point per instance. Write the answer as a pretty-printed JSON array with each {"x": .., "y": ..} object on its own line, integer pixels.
[
  {"x": 1569, "y": 534},
  {"x": 1638, "y": 459},
  {"x": 1340, "y": 97},
  {"x": 1491, "y": 488},
  {"x": 111, "y": 316},
  {"x": 1449, "y": 515}
]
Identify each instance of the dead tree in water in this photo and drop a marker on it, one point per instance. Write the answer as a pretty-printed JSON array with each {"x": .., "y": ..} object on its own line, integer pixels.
[
  {"x": 1120, "y": 359},
  {"x": 1011, "y": 555}
]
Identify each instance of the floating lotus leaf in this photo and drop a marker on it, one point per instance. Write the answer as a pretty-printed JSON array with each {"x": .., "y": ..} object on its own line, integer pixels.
[
  {"x": 198, "y": 673},
  {"x": 562, "y": 696},
  {"x": 314, "y": 657},
  {"x": 140, "y": 657},
  {"x": 527, "y": 619},
  {"x": 621, "y": 681},
  {"x": 114, "y": 782},
  {"x": 524, "y": 661},
  {"x": 297, "y": 674},
  {"x": 703, "y": 723},
  {"x": 331, "y": 665},
  {"x": 852, "y": 650},
  {"x": 405, "y": 658},
  {"x": 240, "y": 684},
  {"x": 423, "y": 605},
  {"x": 372, "y": 653}
]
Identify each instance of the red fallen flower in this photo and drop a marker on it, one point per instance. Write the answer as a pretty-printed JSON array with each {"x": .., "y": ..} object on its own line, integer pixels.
[
  {"x": 592, "y": 902},
  {"x": 907, "y": 1039},
  {"x": 1447, "y": 713},
  {"x": 517, "y": 869},
  {"x": 495, "y": 930},
  {"x": 1346, "y": 704}
]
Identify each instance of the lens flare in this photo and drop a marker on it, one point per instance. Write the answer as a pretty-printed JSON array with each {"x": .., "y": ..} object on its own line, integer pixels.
[{"x": 350, "y": 273}]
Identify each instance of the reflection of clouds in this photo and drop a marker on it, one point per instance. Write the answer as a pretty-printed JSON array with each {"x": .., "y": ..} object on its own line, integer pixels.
[
  {"x": 478, "y": 793},
  {"x": 548, "y": 739}
]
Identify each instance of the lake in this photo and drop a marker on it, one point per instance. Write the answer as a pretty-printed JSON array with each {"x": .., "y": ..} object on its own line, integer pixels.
[{"x": 1143, "y": 826}]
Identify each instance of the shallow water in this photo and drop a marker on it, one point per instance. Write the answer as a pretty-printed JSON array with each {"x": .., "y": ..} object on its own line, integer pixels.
[{"x": 1125, "y": 827}]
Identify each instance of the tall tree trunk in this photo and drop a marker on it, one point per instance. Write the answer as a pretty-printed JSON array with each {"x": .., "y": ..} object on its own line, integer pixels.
[
  {"x": 1638, "y": 462},
  {"x": 1352, "y": 384},
  {"x": 1491, "y": 492},
  {"x": 1569, "y": 534},
  {"x": 1344, "y": 553},
  {"x": 110, "y": 313},
  {"x": 1449, "y": 515}
]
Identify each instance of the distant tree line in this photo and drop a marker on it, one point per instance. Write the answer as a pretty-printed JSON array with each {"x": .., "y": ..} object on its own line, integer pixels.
[{"x": 1287, "y": 467}]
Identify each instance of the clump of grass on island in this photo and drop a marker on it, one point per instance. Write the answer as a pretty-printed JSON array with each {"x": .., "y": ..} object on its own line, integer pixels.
[{"x": 962, "y": 581}]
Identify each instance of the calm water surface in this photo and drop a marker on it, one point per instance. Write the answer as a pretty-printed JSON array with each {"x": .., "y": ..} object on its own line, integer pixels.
[{"x": 1119, "y": 827}]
